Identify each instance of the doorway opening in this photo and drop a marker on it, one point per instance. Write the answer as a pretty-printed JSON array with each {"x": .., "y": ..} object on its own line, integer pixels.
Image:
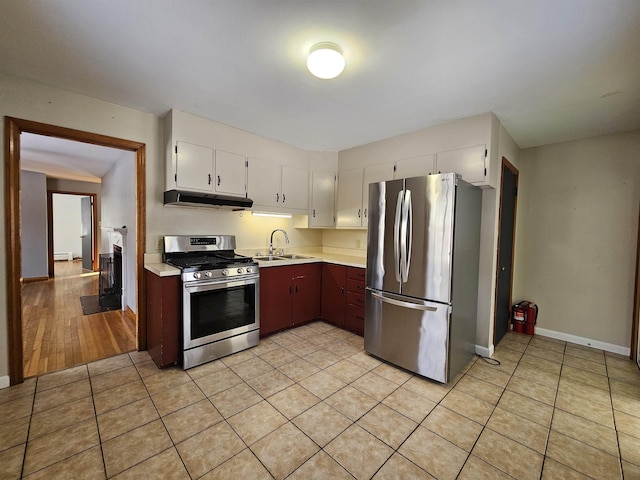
[
  {"x": 13, "y": 128},
  {"x": 70, "y": 213},
  {"x": 506, "y": 236}
]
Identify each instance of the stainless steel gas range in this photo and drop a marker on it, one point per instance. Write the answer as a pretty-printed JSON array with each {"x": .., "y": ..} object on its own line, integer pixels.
[{"x": 220, "y": 296}]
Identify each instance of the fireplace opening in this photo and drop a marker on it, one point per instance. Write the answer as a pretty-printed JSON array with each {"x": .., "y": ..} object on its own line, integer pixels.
[{"x": 110, "y": 279}]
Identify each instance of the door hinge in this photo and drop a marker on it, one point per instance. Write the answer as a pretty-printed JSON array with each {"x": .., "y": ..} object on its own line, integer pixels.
[
  {"x": 176, "y": 149},
  {"x": 246, "y": 163},
  {"x": 485, "y": 153},
  {"x": 175, "y": 177},
  {"x": 395, "y": 168},
  {"x": 515, "y": 192},
  {"x": 485, "y": 172}
]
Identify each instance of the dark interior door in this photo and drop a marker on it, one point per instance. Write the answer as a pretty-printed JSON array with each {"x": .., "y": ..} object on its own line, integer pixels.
[
  {"x": 508, "y": 198},
  {"x": 86, "y": 217}
]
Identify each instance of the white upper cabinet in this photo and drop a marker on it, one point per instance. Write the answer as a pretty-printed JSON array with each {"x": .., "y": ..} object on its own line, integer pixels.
[
  {"x": 470, "y": 162},
  {"x": 230, "y": 173},
  {"x": 277, "y": 188},
  {"x": 322, "y": 210},
  {"x": 194, "y": 163},
  {"x": 415, "y": 167},
  {"x": 349, "y": 209},
  {"x": 353, "y": 193},
  {"x": 194, "y": 167},
  {"x": 373, "y": 174},
  {"x": 295, "y": 188},
  {"x": 264, "y": 183}
]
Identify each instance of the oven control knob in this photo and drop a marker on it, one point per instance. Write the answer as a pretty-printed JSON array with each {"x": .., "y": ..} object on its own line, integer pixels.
[
  {"x": 197, "y": 275},
  {"x": 208, "y": 274},
  {"x": 249, "y": 270},
  {"x": 225, "y": 272},
  {"x": 241, "y": 270}
]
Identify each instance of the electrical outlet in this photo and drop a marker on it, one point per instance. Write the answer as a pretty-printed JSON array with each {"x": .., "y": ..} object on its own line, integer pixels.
[{"x": 358, "y": 243}]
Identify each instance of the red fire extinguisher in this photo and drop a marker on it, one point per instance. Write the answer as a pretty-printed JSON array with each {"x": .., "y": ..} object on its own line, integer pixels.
[
  {"x": 524, "y": 315},
  {"x": 519, "y": 312}
]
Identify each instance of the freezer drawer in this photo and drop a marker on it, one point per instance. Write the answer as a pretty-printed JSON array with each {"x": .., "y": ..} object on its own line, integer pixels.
[{"x": 409, "y": 333}]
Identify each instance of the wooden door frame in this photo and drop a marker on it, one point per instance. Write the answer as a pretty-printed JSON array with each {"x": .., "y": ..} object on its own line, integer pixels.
[
  {"x": 94, "y": 226},
  {"x": 636, "y": 305},
  {"x": 505, "y": 163},
  {"x": 13, "y": 128}
]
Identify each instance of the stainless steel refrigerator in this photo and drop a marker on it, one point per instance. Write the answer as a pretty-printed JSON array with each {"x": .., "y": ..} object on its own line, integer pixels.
[{"x": 423, "y": 248}]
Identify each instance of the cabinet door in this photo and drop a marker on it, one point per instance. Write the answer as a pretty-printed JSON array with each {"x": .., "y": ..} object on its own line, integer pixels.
[
  {"x": 349, "y": 211},
  {"x": 373, "y": 174},
  {"x": 231, "y": 173},
  {"x": 263, "y": 183},
  {"x": 334, "y": 278},
  {"x": 275, "y": 299},
  {"x": 468, "y": 162},
  {"x": 323, "y": 188},
  {"x": 414, "y": 167},
  {"x": 295, "y": 188},
  {"x": 307, "y": 286},
  {"x": 194, "y": 167}
]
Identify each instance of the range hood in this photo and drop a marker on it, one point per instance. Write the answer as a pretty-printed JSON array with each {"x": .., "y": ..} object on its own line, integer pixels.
[{"x": 211, "y": 200}]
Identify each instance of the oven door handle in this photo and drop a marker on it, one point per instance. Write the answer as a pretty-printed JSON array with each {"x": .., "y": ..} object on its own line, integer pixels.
[{"x": 203, "y": 286}]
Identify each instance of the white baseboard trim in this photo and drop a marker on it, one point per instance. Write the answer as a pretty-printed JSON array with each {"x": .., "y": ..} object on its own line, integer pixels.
[
  {"x": 587, "y": 342},
  {"x": 5, "y": 381},
  {"x": 484, "y": 351}
]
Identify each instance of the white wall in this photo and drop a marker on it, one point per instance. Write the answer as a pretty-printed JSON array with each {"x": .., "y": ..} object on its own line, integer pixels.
[
  {"x": 576, "y": 235},
  {"x": 67, "y": 224},
  {"x": 33, "y": 206},
  {"x": 119, "y": 210}
]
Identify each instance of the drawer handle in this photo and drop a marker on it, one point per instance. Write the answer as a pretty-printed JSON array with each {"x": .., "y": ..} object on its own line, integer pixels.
[
  {"x": 360, "y": 287},
  {"x": 359, "y": 317},
  {"x": 359, "y": 300}
]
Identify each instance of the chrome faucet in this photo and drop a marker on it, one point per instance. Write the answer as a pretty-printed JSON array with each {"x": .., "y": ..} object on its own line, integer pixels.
[{"x": 286, "y": 239}]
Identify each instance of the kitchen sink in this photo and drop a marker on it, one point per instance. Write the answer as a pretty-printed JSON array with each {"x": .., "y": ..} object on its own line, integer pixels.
[
  {"x": 275, "y": 258},
  {"x": 294, "y": 256}
]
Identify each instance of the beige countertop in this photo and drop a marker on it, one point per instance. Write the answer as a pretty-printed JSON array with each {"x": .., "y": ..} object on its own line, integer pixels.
[{"x": 156, "y": 266}]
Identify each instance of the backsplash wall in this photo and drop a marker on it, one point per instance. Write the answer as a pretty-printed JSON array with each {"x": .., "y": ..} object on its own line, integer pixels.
[{"x": 345, "y": 242}]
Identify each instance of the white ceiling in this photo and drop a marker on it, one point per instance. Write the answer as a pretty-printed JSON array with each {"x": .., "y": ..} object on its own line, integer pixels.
[
  {"x": 60, "y": 158},
  {"x": 551, "y": 70}
]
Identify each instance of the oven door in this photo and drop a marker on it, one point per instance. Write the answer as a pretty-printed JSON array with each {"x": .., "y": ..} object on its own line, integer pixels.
[{"x": 219, "y": 309}]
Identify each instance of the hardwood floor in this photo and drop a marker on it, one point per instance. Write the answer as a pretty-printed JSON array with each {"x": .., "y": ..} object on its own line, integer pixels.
[{"x": 57, "y": 335}]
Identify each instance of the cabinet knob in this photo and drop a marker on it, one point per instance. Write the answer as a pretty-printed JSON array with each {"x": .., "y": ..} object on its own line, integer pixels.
[
  {"x": 209, "y": 179},
  {"x": 218, "y": 180},
  {"x": 283, "y": 198}
]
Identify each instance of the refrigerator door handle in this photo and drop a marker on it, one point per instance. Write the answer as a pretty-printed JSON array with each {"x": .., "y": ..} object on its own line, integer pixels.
[
  {"x": 396, "y": 237},
  {"x": 400, "y": 303},
  {"x": 407, "y": 234}
]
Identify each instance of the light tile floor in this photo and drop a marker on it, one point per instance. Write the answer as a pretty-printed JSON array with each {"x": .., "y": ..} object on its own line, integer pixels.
[{"x": 310, "y": 404}]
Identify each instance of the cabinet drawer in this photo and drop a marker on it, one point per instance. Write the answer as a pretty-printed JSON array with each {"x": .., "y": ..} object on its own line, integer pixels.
[
  {"x": 354, "y": 318},
  {"x": 355, "y": 299},
  {"x": 356, "y": 273},
  {"x": 356, "y": 286}
]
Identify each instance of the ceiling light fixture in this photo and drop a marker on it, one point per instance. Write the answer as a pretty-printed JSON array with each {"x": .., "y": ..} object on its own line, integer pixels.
[{"x": 325, "y": 60}]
